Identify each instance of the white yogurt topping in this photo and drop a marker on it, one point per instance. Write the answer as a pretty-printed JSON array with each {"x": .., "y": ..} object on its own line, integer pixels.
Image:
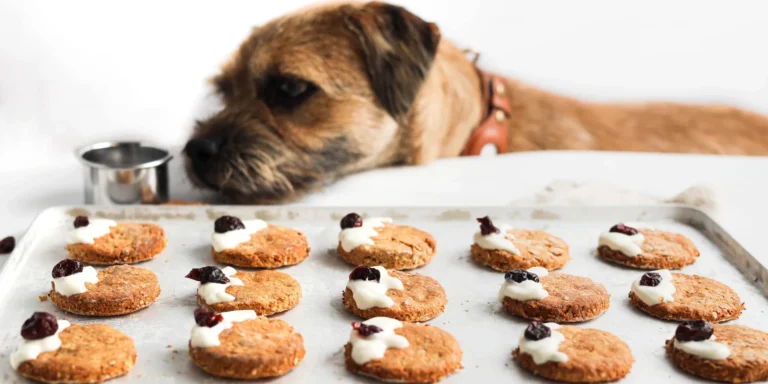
[
  {"x": 204, "y": 337},
  {"x": 662, "y": 293},
  {"x": 213, "y": 293},
  {"x": 30, "y": 349},
  {"x": 75, "y": 283},
  {"x": 365, "y": 349},
  {"x": 527, "y": 290},
  {"x": 231, "y": 239},
  {"x": 354, "y": 237},
  {"x": 501, "y": 241},
  {"x": 626, "y": 244},
  {"x": 544, "y": 350},
  {"x": 706, "y": 349},
  {"x": 88, "y": 234},
  {"x": 370, "y": 293}
]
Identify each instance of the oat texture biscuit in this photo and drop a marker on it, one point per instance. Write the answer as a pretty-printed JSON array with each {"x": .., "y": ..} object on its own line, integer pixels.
[
  {"x": 573, "y": 354},
  {"x": 555, "y": 297},
  {"x": 504, "y": 248},
  {"x": 86, "y": 354},
  {"x": 256, "y": 244},
  {"x": 414, "y": 297},
  {"x": 646, "y": 248},
  {"x": 736, "y": 354},
  {"x": 695, "y": 297},
  {"x": 378, "y": 242},
  {"x": 390, "y": 351},
  {"x": 267, "y": 292},
  {"x": 116, "y": 290},
  {"x": 253, "y": 348},
  {"x": 100, "y": 241}
]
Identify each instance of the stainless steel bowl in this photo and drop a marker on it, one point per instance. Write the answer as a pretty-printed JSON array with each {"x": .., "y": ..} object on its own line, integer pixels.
[{"x": 125, "y": 173}]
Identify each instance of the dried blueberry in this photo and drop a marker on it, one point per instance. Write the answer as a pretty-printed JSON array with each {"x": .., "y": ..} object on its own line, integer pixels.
[
  {"x": 365, "y": 330},
  {"x": 40, "y": 325},
  {"x": 66, "y": 267},
  {"x": 694, "y": 330},
  {"x": 81, "y": 221},
  {"x": 208, "y": 275},
  {"x": 621, "y": 228},
  {"x": 208, "y": 319},
  {"x": 351, "y": 220},
  {"x": 7, "y": 245},
  {"x": 650, "y": 279},
  {"x": 519, "y": 275},
  {"x": 536, "y": 330},
  {"x": 365, "y": 273},
  {"x": 227, "y": 223},
  {"x": 486, "y": 226}
]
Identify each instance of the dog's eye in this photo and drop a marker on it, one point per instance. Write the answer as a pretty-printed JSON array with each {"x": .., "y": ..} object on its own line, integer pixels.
[
  {"x": 289, "y": 92},
  {"x": 293, "y": 87}
]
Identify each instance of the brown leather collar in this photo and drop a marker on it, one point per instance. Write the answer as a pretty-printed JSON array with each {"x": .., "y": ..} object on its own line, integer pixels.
[{"x": 491, "y": 130}]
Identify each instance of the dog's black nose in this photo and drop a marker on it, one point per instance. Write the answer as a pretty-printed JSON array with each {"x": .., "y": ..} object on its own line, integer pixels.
[{"x": 202, "y": 149}]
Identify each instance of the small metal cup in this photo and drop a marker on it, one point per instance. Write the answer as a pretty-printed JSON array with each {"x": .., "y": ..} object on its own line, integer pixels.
[{"x": 125, "y": 173}]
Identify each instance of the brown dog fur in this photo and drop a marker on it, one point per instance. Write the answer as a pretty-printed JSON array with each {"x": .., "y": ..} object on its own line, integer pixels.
[{"x": 384, "y": 89}]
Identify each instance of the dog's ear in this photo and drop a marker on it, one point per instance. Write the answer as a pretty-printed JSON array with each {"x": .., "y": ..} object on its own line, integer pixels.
[{"x": 398, "y": 47}]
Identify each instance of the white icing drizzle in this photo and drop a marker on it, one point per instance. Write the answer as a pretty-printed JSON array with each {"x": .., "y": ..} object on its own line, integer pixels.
[
  {"x": 373, "y": 347},
  {"x": 30, "y": 349},
  {"x": 213, "y": 293},
  {"x": 231, "y": 239},
  {"x": 626, "y": 244},
  {"x": 204, "y": 337},
  {"x": 351, "y": 238},
  {"x": 662, "y": 293},
  {"x": 502, "y": 241},
  {"x": 88, "y": 234},
  {"x": 544, "y": 350},
  {"x": 527, "y": 290},
  {"x": 706, "y": 349},
  {"x": 370, "y": 293},
  {"x": 75, "y": 283}
]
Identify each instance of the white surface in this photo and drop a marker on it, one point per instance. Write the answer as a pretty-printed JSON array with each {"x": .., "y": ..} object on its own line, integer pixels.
[{"x": 473, "y": 315}]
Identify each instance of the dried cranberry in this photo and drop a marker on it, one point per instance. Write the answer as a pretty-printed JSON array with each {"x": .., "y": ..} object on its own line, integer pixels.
[
  {"x": 227, "y": 223},
  {"x": 365, "y": 330},
  {"x": 486, "y": 226},
  {"x": 66, "y": 267},
  {"x": 40, "y": 325},
  {"x": 351, "y": 220},
  {"x": 81, "y": 221},
  {"x": 519, "y": 275},
  {"x": 208, "y": 275},
  {"x": 650, "y": 279},
  {"x": 7, "y": 245},
  {"x": 695, "y": 330},
  {"x": 365, "y": 273},
  {"x": 208, "y": 319},
  {"x": 537, "y": 330},
  {"x": 621, "y": 228}
]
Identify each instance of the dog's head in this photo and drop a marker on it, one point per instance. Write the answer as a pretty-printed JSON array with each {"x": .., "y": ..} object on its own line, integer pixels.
[{"x": 310, "y": 97}]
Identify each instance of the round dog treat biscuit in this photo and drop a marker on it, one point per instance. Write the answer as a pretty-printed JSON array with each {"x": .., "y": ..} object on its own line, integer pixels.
[
  {"x": 118, "y": 290},
  {"x": 746, "y": 360},
  {"x": 428, "y": 355},
  {"x": 266, "y": 292},
  {"x": 100, "y": 241},
  {"x": 421, "y": 298},
  {"x": 582, "y": 356},
  {"x": 255, "y": 348},
  {"x": 647, "y": 248},
  {"x": 379, "y": 242},
  {"x": 505, "y": 248},
  {"x": 695, "y": 297},
  {"x": 568, "y": 298},
  {"x": 256, "y": 244}
]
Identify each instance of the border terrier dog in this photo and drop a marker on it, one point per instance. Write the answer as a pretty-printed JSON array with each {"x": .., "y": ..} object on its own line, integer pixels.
[{"x": 339, "y": 88}]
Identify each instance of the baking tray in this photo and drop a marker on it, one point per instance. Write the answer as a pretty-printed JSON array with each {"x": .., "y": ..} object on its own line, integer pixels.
[{"x": 486, "y": 333}]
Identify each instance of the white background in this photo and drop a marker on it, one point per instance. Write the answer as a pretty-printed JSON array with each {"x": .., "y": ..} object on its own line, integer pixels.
[{"x": 74, "y": 72}]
